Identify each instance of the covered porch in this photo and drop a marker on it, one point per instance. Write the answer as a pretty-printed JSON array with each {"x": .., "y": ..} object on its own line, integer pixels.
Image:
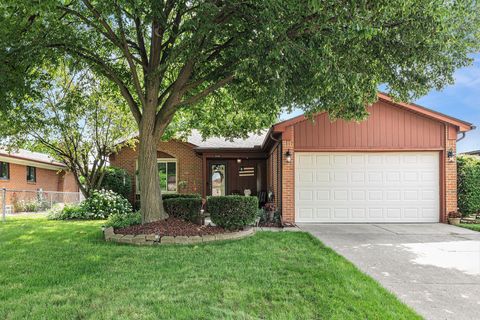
[{"x": 234, "y": 172}]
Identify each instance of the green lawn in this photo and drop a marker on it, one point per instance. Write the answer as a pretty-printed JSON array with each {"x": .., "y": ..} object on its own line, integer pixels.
[
  {"x": 471, "y": 226},
  {"x": 63, "y": 270}
]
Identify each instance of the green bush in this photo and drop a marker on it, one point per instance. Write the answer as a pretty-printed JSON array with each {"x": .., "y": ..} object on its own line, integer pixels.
[
  {"x": 119, "y": 220},
  {"x": 468, "y": 185},
  {"x": 100, "y": 205},
  {"x": 167, "y": 196},
  {"x": 232, "y": 212},
  {"x": 184, "y": 208},
  {"x": 117, "y": 180},
  {"x": 103, "y": 203},
  {"x": 67, "y": 212}
]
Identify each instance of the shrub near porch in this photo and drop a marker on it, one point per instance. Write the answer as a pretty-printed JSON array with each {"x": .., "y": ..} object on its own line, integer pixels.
[
  {"x": 58, "y": 269},
  {"x": 232, "y": 212}
]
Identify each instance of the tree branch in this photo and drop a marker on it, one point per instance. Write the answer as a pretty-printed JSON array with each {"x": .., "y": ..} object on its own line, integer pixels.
[
  {"x": 128, "y": 55},
  {"x": 108, "y": 72},
  {"x": 207, "y": 91},
  {"x": 168, "y": 109}
]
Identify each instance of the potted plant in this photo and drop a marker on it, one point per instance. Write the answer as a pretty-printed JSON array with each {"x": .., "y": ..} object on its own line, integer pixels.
[
  {"x": 454, "y": 217},
  {"x": 270, "y": 208}
]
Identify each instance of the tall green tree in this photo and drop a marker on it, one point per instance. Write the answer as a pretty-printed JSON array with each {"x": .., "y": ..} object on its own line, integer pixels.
[
  {"x": 226, "y": 67},
  {"x": 75, "y": 118}
]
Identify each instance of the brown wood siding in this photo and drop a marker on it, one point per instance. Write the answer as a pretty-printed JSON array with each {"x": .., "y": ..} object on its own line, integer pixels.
[{"x": 387, "y": 128}]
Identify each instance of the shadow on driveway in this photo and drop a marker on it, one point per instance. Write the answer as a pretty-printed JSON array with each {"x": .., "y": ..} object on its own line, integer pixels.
[{"x": 434, "y": 268}]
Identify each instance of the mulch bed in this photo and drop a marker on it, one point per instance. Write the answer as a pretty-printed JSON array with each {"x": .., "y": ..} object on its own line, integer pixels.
[
  {"x": 171, "y": 227},
  {"x": 270, "y": 224}
]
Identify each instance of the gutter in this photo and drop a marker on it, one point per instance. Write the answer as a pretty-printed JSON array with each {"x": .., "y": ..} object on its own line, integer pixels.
[{"x": 464, "y": 133}]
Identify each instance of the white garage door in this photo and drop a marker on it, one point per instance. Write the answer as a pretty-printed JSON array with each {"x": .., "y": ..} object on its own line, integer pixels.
[{"x": 367, "y": 187}]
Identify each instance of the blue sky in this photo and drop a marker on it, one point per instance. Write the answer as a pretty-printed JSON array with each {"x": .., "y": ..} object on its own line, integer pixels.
[{"x": 460, "y": 100}]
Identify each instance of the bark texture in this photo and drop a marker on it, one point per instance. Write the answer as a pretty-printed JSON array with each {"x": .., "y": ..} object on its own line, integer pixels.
[{"x": 150, "y": 192}]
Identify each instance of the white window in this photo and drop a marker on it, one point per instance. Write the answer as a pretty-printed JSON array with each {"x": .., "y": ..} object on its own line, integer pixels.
[{"x": 167, "y": 173}]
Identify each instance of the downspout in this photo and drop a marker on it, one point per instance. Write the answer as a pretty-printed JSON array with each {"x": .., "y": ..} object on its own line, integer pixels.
[
  {"x": 464, "y": 133},
  {"x": 271, "y": 137}
]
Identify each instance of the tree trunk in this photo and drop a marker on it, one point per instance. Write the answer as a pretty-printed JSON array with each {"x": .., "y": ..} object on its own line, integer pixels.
[
  {"x": 82, "y": 188},
  {"x": 150, "y": 193}
]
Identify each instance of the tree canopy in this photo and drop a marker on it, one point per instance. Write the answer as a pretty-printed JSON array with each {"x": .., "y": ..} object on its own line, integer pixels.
[
  {"x": 227, "y": 67},
  {"x": 73, "y": 116}
]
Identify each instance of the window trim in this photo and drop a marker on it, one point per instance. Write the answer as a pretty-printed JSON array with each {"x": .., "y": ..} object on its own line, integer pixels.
[
  {"x": 34, "y": 174},
  {"x": 159, "y": 160},
  {"x": 8, "y": 171}
]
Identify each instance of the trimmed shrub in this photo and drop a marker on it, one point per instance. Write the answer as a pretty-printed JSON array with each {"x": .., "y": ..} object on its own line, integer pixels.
[
  {"x": 123, "y": 220},
  {"x": 184, "y": 208},
  {"x": 232, "y": 212},
  {"x": 167, "y": 196},
  {"x": 103, "y": 203},
  {"x": 118, "y": 181},
  {"x": 468, "y": 186}
]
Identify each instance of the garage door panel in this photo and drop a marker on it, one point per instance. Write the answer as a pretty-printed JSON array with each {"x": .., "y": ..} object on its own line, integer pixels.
[{"x": 367, "y": 187}]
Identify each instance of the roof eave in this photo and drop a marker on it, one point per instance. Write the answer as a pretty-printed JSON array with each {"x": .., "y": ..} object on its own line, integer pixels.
[
  {"x": 227, "y": 149},
  {"x": 44, "y": 164},
  {"x": 462, "y": 126}
]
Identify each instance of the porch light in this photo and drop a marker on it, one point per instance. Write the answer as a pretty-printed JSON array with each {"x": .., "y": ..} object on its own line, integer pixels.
[
  {"x": 288, "y": 156},
  {"x": 239, "y": 160},
  {"x": 451, "y": 155}
]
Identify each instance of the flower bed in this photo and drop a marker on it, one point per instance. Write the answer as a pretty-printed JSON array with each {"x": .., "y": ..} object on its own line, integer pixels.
[{"x": 172, "y": 231}]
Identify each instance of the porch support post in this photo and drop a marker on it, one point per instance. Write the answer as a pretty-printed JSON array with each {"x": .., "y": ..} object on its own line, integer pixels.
[{"x": 204, "y": 175}]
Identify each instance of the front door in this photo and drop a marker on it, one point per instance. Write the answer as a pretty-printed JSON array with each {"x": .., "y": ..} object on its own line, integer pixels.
[{"x": 218, "y": 178}]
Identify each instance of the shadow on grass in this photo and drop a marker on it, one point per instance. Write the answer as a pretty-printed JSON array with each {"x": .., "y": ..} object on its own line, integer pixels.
[{"x": 53, "y": 268}]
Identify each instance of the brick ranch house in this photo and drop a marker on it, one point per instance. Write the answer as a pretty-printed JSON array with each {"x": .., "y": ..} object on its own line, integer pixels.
[
  {"x": 396, "y": 166},
  {"x": 32, "y": 171}
]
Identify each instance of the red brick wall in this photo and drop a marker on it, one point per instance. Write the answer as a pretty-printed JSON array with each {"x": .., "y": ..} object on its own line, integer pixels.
[
  {"x": 288, "y": 176},
  {"x": 272, "y": 173},
  {"x": 450, "y": 173},
  {"x": 69, "y": 183},
  {"x": 47, "y": 180},
  {"x": 189, "y": 164}
]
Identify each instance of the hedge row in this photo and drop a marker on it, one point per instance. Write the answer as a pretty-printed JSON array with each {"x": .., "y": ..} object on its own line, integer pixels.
[
  {"x": 167, "y": 196},
  {"x": 468, "y": 168},
  {"x": 229, "y": 212}
]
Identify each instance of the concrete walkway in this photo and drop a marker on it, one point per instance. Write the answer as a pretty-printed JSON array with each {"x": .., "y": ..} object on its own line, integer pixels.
[{"x": 434, "y": 268}]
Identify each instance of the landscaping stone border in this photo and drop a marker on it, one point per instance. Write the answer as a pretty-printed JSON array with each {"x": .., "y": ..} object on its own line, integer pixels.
[
  {"x": 273, "y": 229},
  {"x": 153, "y": 239}
]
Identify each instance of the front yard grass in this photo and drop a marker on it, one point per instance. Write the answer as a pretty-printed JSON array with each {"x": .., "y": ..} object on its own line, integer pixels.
[
  {"x": 471, "y": 226},
  {"x": 63, "y": 270}
]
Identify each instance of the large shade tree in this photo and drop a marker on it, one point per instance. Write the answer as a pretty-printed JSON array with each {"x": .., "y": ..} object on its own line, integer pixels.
[{"x": 226, "y": 67}]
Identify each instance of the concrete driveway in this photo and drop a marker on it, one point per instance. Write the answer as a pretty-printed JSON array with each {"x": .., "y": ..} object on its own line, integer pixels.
[{"x": 434, "y": 268}]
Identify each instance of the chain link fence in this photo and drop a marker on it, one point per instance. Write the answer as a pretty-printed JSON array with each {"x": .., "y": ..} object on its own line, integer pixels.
[{"x": 13, "y": 202}]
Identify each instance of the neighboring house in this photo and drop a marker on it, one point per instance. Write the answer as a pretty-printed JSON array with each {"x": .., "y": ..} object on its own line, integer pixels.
[
  {"x": 473, "y": 153},
  {"x": 396, "y": 166},
  {"x": 32, "y": 171}
]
